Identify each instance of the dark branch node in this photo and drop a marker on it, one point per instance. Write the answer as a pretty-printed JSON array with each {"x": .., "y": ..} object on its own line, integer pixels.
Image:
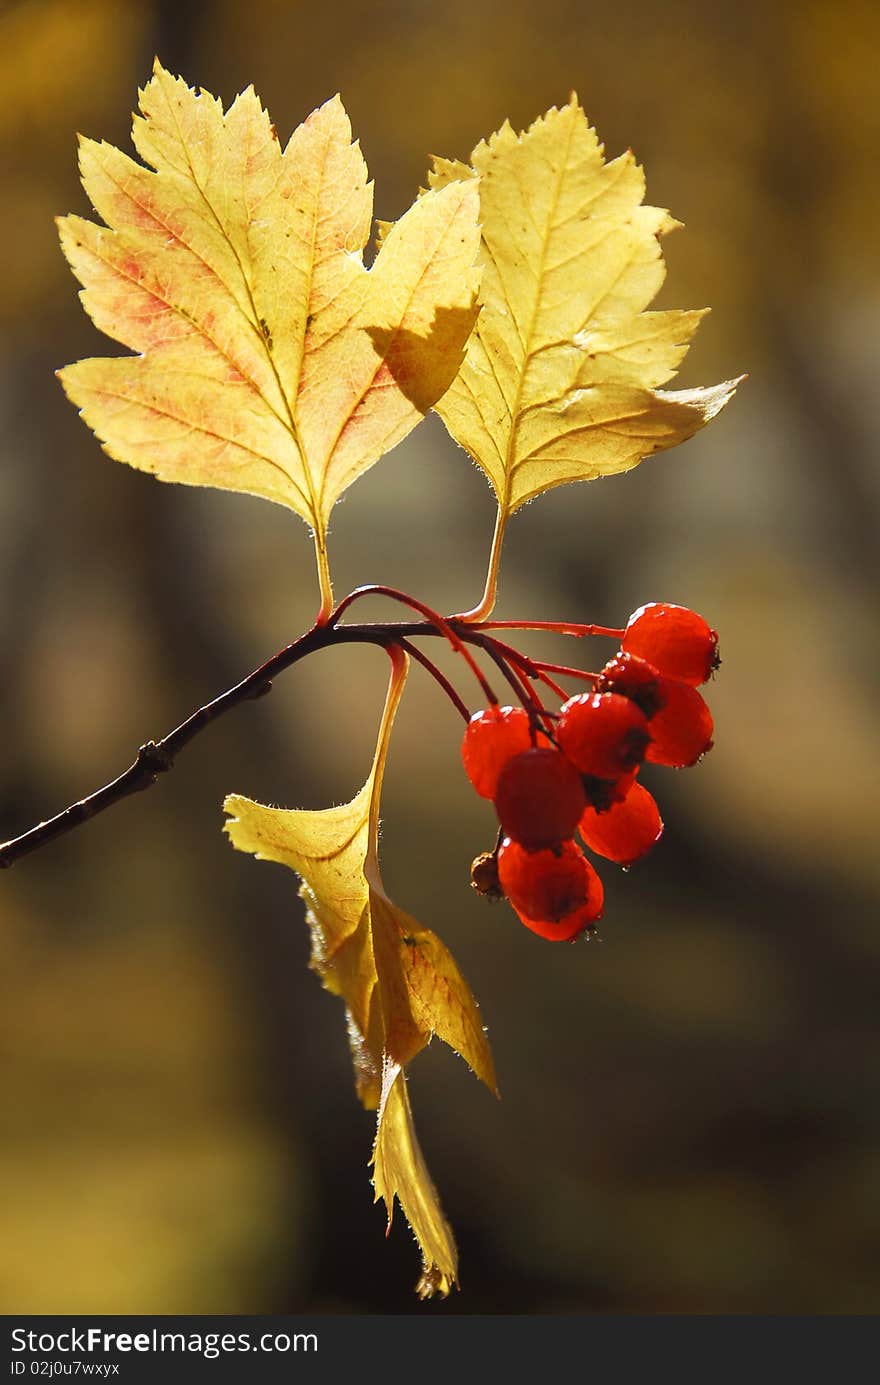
[{"x": 154, "y": 759}]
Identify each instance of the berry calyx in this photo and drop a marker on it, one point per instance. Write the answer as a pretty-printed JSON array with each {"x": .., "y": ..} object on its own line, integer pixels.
[
  {"x": 627, "y": 830},
  {"x": 682, "y": 731},
  {"x": 484, "y": 875},
  {"x": 603, "y": 734},
  {"x": 632, "y": 677},
  {"x": 677, "y": 641},
  {"x": 539, "y": 799},
  {"x": 602, "y": 794},
  {"x": 493, "y": 737}
]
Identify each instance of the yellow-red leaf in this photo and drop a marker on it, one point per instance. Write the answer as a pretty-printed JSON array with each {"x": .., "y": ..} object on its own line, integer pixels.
[{"x": 270, "y": 359}]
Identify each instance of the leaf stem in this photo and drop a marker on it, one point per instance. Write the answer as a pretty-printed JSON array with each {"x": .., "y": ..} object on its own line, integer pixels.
[
  {"x": 325, "y": 585},
  {"x": 396, "y": 681},
  {"x": 490, "y": 591}
]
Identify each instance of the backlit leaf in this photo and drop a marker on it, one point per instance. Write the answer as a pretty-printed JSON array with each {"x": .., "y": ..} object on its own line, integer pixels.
[
  {"x": 270, "y": 359},
  {"x": 399, "y": 982},
  {"x": 560, "y": 377},
  {"x": 399, "y": 1169}
]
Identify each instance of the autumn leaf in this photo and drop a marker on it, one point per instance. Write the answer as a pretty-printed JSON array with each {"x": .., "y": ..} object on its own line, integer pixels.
[
  {"x": 399, "y": 982},
  {"x": 560, "y": 379},
  {"x": 399, "y": 1169},
  {"x": 270, "y": 360}
]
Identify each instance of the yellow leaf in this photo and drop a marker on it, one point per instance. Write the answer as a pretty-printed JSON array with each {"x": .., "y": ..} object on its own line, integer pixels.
[
  {"x": 560, "y": 378},
  {"x": 270, "y": 359},
  {"x": 399, "y": 1169},
  {"x": 399, "y": 982}
]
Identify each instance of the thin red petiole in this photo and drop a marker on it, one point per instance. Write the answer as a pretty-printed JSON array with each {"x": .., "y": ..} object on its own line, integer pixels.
[
  {"x": 442, "y": 624},
  {"x": 510, "y": 652},
  {"x": 520, "y": 687},
  {"x": 415, "y": 653},
  {"x": 560, "y": 627},
  {"x": 517, "y": 669},
  {"x": 551, "y": 683},
  {"x": 509, "y": 667},
  {"x": 565, "y": 671},
  {"x": 526, "y": 668}
]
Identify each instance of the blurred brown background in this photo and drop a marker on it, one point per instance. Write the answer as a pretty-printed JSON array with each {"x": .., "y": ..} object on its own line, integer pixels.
[{"x": 690, "y": 1117}]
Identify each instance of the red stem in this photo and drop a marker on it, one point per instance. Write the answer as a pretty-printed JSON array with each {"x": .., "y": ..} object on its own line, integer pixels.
[
  {"x": 442, "y": 624},
  {"x": 560, "y": 627},
  {"x": 157, "y": 757},
  {"x": 512, "y": 662},
  {"x": 421, "y": 658},
  {"x": 564, "y": 670},
  {"x": 551, "y": 683}
]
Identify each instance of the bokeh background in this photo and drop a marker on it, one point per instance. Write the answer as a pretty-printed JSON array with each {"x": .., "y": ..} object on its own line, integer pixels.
[{"x": 689, "y": 1119}]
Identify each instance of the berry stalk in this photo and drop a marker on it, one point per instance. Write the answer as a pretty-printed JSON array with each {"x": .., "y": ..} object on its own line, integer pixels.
[
  {"x": 442, "y": 624},
  {"x": 559, "y": 627}
]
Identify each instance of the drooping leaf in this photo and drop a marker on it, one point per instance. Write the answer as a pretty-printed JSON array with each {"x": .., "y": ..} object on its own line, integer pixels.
[
  {"x": 399, "y": 1169},
  {"x": 399, "y": 982},
  {"x": 270, "y": 359},
  {"x": 560, "y": 379}
]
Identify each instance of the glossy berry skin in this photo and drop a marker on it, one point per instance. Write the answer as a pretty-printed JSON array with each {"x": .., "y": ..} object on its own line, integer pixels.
[
  {"x": 566, "y": 929},
  {"x": 682, "y": 732},
  {"x": 634, "y": 678},
  {"x": 544, "y": 885},
  {"x": 627, "y": 830},
  {"x": 493, "y": 737},
  {"x": 603, "y": 734},
  {"x": 540, "y": 799},
  {"x": 675, "y": 640}
]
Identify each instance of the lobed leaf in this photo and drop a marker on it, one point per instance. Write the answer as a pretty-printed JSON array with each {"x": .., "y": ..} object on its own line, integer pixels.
[
  {"x": 270, "y": 360},
  {"x": 399, "y": 982},
  {"x": 559, "y": 382}
]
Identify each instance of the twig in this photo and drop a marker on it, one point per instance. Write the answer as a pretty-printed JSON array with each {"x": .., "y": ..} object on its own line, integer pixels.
[{"x": 155, "y": 758}]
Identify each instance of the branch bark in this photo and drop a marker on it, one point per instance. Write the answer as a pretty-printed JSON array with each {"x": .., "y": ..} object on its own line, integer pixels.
[{"x": 155, "y": 758}]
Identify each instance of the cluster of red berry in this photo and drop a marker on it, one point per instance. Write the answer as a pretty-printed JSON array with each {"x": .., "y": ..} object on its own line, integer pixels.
[{"x": 554, "y": 774}]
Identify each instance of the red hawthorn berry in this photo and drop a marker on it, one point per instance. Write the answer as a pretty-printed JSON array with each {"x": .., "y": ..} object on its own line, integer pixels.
[
  {"x": 540, "y": 798},
  {"x": 578, "y": 921},
  {"x": 682, "y": 732},
  {"x": 603, "y": 734},
  {"x": 634, "y": 678},
  {"x": 627, "y": 830},
  {"x": 677, "y": 641},
  {"x": 493, "y": 737},
  {"x": 566, "y": 929},
  {"x": 544, "y": 885}
]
